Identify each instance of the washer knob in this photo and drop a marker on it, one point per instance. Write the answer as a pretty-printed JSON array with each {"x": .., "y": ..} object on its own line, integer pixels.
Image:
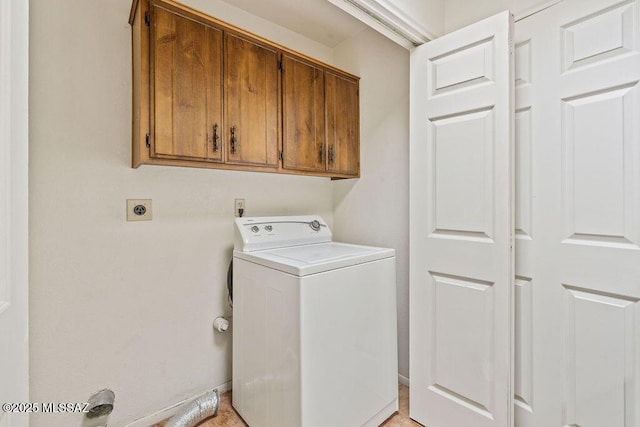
[
  {"x": 255, "y": 229},
  {"x": 268, "y": 227},
  {"x": 315, "y": 225}
]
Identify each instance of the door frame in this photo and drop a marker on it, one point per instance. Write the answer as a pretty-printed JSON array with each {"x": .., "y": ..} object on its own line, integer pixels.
[{"x": 14, "y": 192}]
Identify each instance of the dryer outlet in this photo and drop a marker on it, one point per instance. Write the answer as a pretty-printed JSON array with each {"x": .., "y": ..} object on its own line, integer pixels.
[{"x": 139, "y": 210}]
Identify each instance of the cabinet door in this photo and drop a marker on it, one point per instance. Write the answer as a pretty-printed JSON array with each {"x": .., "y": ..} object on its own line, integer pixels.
[
  {"x": 186, "y": 101},
  {"x": 303, "y": 115},
  {"x": 342, "y": 124},
  {"x": 251, "y": 102}
]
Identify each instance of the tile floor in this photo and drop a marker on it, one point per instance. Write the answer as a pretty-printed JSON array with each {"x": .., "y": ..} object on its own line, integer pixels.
[{"x": 228, "y": 417}]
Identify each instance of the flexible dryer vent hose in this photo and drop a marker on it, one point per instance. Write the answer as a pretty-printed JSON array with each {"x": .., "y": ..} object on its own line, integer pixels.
[{"x": 196, "y": 411}]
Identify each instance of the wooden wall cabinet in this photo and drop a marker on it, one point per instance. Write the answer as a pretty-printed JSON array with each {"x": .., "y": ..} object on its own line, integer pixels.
[{"x": 208, "y": 94}]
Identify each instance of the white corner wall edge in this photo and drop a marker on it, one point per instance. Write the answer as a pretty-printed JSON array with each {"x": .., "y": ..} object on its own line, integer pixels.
[
  {"x": 387, "y": 19},
  {"x": 14, "y": 207},
  {"x": 171, "y": 410}
]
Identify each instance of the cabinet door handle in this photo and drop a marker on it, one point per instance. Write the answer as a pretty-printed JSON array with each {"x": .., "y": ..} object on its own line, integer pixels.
[
  {"x": 331, "y": 155},
  {"x": 234, "y": 140},
  {"x": 321, "y": 153},
  {"x": 215, "y": 137}
]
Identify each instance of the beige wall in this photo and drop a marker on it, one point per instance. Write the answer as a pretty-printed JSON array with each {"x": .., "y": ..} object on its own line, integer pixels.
[
  {"x": 459, "y": 13},
  {"x": 429, "y": 13},
  {"x": 128, "y": 306},
  {"x": 374, "y": 210}
]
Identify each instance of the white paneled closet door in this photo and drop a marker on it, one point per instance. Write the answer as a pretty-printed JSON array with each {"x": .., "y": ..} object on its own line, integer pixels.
[
  {"x": 578, "y": 215},
  {"x": 461, "y": 321}
]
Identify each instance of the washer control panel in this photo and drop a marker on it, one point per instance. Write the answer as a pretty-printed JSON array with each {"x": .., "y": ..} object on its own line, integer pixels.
[{"x": 257, "y": 233}]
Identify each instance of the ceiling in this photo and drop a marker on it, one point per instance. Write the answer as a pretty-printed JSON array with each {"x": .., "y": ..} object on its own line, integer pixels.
[{"x": 317, "y": 20}]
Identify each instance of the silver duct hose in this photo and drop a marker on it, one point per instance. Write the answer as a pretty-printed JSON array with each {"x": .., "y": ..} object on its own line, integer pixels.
[{"x": 196, "y": 411}]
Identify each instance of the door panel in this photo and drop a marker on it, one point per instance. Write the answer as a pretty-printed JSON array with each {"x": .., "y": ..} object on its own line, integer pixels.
[
  {"x": 461, "y": 227},
  {"x": 462, "y": 168},
  {"x": 596, "y": 169},
  {"x": 251, "y": 102},
  {"x": 599, "y": 340},
  {"x": 523, "y": 381},
  {"x": 463, "y": 343},
  {"x": 583, "y": 254}
]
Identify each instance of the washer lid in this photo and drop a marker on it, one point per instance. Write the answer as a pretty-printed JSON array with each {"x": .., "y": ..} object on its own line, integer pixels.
[{"x": 311, "y": 259}]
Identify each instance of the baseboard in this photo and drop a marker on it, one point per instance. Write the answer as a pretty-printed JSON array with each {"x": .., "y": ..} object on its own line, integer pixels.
[
  {"x": 384, "y": 414},
  {"x": 403, "y": 380},
  {"x": 171, "y": 410}
]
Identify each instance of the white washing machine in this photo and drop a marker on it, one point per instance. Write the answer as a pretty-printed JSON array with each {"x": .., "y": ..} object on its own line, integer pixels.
[{"x": 314, "y": 326}]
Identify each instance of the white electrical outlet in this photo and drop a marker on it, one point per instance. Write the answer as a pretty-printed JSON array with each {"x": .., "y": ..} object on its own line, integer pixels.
[
  {"x": 139, "y": 210},
  {"x": 238, "y": 206}
]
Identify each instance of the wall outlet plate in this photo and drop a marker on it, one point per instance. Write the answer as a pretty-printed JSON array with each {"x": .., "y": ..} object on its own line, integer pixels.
[
  {"x": 139, "y": 210},
  {"x": 239, "y": 204}
]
